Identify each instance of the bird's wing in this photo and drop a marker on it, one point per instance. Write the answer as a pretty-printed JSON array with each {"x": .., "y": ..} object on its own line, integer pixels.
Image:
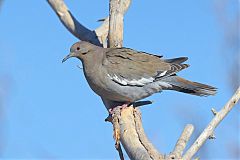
[{"x": 129, "y": 67}]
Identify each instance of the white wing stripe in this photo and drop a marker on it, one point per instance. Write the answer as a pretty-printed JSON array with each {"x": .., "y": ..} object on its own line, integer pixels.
[
  {"x": 139, "y": 82},
  {"x": 163, "y": 73}
]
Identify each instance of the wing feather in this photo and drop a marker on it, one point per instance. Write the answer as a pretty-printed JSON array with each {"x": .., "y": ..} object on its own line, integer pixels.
[{"x": 134, "y": 68}]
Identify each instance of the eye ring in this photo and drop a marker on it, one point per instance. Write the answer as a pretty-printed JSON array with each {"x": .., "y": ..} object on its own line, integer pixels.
[{"x": 78, "y": 48}]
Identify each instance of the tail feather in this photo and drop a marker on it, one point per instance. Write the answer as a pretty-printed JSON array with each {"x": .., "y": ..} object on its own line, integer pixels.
[
  {"x": 176, "y": 60},
  {"x": 195, "y": 88}
]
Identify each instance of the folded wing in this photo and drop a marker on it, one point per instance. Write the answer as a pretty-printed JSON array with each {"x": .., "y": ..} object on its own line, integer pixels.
[{"x": 133, "y": 68}]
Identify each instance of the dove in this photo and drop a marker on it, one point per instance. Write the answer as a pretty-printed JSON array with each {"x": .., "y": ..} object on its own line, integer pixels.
[{"x": 123, "y": 76}]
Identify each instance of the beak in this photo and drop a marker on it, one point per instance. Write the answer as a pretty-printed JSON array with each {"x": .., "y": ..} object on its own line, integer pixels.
[{"x": 67, "y": 57}]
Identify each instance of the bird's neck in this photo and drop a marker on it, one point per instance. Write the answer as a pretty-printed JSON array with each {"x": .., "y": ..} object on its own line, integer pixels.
[{"x": 92, "y": 64}]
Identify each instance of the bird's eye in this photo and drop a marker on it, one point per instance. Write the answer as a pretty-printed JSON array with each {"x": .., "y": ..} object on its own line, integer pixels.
[{"x": 78, "y": 48}]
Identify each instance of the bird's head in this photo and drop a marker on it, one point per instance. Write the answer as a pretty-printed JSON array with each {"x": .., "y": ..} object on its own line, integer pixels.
[{"x": 80, "y": 50}]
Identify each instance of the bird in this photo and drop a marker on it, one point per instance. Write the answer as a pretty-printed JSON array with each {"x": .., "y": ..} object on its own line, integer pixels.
[{"x": 122, "y": 76}]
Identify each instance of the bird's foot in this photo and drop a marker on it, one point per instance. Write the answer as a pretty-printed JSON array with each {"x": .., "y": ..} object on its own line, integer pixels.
[
  {"x": 113, "y": 111},
  {"x": 120, "y": 107}
]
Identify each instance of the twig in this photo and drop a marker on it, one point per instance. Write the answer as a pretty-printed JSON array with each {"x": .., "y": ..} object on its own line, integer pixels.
[
  {"x": 214, "y": 111},
  {"x": 1, "y": 2},
  {"x": 182, "y": 142},
  {"x": 119, "y": 149},
  {"x": 212, "y": 125},
  {"x": 212, "y": 136}
]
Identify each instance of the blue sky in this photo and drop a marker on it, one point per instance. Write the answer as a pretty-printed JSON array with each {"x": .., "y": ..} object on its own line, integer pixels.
[{"x": 50, "y": 111}]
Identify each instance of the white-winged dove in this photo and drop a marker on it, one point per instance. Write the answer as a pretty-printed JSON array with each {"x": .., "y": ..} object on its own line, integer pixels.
[{"x": 123, "y": 75}]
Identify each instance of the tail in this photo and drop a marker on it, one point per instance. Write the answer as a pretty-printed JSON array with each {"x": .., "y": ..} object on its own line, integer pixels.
[{"x": 195, "y": 88}]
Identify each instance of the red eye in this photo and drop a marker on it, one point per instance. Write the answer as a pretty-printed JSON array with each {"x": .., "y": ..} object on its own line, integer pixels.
[{"x": 78, "y": 48}]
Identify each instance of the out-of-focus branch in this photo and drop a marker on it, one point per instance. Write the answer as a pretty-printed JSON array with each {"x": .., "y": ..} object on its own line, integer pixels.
[
  {"x": 208, "y": 131},
  {"x": 228, "y": 17},
  {"x": 1, "y": 1}
]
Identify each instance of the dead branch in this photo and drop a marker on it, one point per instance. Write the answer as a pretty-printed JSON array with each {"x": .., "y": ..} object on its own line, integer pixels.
[
  {"x": 208, "y": 131},
  {"x": 116, "y": 12},
  {"x": 97, "y": 37},
  {"x": 129, "y": 136},
  {"x": 152, "y": 151},
  {"x": 71, "y": 23}
]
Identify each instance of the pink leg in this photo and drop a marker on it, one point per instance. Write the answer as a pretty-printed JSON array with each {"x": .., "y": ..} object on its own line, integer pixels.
[{"x": 123, "y": 106}]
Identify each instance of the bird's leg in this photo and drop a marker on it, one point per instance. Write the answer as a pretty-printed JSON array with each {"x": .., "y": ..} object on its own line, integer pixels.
[{"x": 123, "y": 106}]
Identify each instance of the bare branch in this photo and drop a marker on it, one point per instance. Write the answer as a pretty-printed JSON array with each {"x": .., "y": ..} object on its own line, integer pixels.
[
  {"x": 102, "y": 32},
  {"x": 182, "y": 142},
  {"x": 1, "y": 2},
  {"x": 208, "y": 131},
  {"x": 97, "y": 37},
  {"x": 70, "y": 22},
  {"x": 154, "y": 154},
  {"x": 129, "y": 136},
  {"x": 119, "y": 149},
  {"x": 116, "y": 12}
]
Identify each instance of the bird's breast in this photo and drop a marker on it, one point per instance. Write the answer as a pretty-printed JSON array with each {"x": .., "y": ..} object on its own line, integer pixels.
[{"x": 102, "y": 85}]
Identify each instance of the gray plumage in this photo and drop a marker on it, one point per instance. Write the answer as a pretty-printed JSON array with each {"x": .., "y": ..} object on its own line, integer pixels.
[{"x": 126, "y": 75}]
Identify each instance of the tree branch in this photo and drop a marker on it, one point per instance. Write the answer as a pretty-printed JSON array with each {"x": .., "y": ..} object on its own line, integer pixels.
[
  {"x": 208, "y": 131},
  {"x": 129, "y": 136},
  {"x": 182, "y": 142},
  {"x": 97, "y": 37},
  {"x": 102, "y": 32},
  {"x": 71, "y": 23},
  {"x": 116, "y": 12},
  {"x": 152, "y": 151}
]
